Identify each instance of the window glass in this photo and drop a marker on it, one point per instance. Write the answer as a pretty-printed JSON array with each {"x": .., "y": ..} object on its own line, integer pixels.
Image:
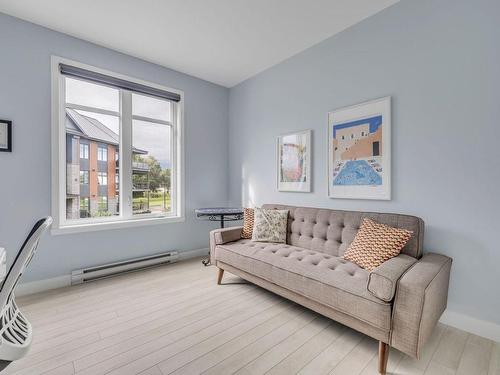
[
  {"x": 108, "y": 124},
  {"x": 151, "y": 168},
  {"x": 102, "y": 204},
  {"x": 95, "y": 115},
  {"x": 84, "y": 177},
  {"x": 102, "y": 153},
  {"x": 98, "y": 138},
  {"x": 84, "y": 207},
  {"x": 84, "y": 151},
  {"x": 102, "y": 178},
  {"x": 92, "y": 95},
  {"x": 154, "y": 108}
]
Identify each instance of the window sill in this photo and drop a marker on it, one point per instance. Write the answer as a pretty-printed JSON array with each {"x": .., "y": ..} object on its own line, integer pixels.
[{"x": 109, "y": 225}]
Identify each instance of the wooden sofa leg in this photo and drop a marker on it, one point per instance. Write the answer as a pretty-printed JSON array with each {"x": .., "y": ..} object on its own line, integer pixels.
[
  {"x": 219, "y": 276},
  {"x": 383, "y": 356}
]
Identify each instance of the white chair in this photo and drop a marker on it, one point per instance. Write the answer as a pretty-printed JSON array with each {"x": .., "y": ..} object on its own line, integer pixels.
[{"x": 15, "y": 330}]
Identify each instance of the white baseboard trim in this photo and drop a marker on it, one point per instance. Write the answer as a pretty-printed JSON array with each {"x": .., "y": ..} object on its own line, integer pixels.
[
  {"x": 469, "y": 324},
  {"x": 38, "y": 286},
  {"x": 183, "y": 255}
]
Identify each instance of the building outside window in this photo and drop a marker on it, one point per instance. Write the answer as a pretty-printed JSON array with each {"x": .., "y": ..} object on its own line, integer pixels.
[
  {"x": 102, "y": 153},
  {"x": 84, "y": 151},
  {"x": 96, "y": 112},
  {"x": 102, "y": 178},
  {"x": 84, "y": 177},
  {"x": 102, "y": 204},
  {"x": 84, "y": 207}
]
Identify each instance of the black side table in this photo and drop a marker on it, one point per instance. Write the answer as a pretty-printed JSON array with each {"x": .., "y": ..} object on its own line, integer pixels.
[{"x": 220, "y": 214}]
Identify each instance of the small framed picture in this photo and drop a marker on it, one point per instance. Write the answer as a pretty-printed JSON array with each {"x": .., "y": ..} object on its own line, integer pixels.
[
  {"x": 5, "y": 136},
  {"x": 294, "y": 162}
]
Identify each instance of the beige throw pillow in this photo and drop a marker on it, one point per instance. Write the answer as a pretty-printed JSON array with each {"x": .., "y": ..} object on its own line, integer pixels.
[
  {"x": 376, "y": 243},
  {"x": 247, "y": 230},
  {"x": 270, "y": 225}
]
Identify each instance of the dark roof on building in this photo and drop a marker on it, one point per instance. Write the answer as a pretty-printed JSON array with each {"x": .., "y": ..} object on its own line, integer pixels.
[{"x": 88, "y": 127}]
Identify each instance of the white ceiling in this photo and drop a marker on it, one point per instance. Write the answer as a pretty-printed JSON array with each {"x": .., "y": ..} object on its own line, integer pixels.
[{"x": 222, "y": 41}]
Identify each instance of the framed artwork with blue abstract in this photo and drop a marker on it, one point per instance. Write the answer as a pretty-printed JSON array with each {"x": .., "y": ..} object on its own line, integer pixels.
[{"x": 359, "y": 151}]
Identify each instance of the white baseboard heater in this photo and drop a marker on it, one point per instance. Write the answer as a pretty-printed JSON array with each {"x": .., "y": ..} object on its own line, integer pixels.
[{"x": 113, "y": 269}]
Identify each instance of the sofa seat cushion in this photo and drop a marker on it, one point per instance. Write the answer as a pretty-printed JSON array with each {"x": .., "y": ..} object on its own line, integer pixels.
[{"x": 324, "y": 278}]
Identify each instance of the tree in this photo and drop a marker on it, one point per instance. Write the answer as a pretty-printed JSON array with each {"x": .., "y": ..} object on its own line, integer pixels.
[
  {"x": 165, "y": 178},
  {"x": 156, "y": 177}
]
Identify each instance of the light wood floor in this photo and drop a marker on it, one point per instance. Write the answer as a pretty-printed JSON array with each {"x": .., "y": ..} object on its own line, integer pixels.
[{"x": 176, "y": 320}]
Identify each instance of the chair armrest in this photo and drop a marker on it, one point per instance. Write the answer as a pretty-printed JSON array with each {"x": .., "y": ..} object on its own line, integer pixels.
[
  {"x": 421, "y": 298},
  {"x": 222, "y": 236},
  {"x": 382, "y": 280}
]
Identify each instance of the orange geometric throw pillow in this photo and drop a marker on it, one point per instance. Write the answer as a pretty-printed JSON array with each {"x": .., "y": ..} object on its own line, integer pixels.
[
  {"x": 376, "y": 243},
  {"x": 248, "y": 220}
]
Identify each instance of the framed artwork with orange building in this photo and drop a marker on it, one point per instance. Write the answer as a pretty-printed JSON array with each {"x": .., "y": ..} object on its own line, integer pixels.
[
  {"x": 294, "y": 162},
  {"x": 359, "y": 151}
]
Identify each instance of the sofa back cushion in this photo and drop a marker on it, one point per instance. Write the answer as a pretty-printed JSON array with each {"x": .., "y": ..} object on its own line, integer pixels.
[{"x": 332, "y": 231}]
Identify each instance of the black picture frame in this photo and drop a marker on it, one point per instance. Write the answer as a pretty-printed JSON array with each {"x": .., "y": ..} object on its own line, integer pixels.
[{"x": 9, "y": 136}]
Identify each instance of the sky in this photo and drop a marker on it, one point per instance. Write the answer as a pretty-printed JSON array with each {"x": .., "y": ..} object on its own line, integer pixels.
[{"x": 153, "y": 137}]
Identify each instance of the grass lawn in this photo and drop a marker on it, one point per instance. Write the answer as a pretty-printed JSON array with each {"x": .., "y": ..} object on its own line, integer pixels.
[{"x": 156, "y": 202}]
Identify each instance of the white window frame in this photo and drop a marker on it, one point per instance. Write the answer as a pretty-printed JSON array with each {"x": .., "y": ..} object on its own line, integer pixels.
[
  {"x": 85, "y": 173},
  {"x": 86, "y": 151},
  {"x": 102, "y": 178},
  {"x": 102, "y": 153},
  {"x": 125, "y": 219}
]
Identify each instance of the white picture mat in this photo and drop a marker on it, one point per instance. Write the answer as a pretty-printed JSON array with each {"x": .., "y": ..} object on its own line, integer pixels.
[
  {"x": 303, "y": 187},
  {"x": 382, "y": 107}
]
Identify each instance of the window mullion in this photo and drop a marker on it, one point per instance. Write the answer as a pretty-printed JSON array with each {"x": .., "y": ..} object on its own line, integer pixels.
[
  {"x": 126, "y": 154},
  {"x": 60, "y": 149},
  {"x": 173, "y": 157}
]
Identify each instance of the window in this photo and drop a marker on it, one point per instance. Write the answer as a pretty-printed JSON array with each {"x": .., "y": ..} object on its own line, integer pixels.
[
  {"x": 140, "y": 124},
  {"x": 102, "y": 204},
  {"x": 84, "y": 177},
  {"x": 152, "y": 156},
  {"x": 102, "y": 153},
  {"x": 84, "y": 151},
  {"x": 102, "y": 178},
  {"x": 84, "y": 207}
]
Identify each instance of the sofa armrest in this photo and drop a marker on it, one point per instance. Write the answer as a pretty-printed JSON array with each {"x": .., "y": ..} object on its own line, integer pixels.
[
  {"x": 421, "y": 298},
  {"x": 382, "y": 280},
  {"x": 222, "y": 236}
]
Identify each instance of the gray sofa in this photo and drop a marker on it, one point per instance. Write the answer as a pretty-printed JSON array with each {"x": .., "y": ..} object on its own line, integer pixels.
[{"x": 398, "y": 304}]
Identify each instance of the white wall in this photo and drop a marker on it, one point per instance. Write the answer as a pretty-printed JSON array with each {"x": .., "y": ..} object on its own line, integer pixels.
[
  {"x": 25, "y": 173},
  {"x": 439, "y": 60}
]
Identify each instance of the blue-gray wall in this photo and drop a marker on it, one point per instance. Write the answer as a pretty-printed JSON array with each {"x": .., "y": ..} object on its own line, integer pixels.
[
  {"x": 440, "y": 62},
  {"x": 25, "y": 189},
  {"x": 438, "y": 59}
]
